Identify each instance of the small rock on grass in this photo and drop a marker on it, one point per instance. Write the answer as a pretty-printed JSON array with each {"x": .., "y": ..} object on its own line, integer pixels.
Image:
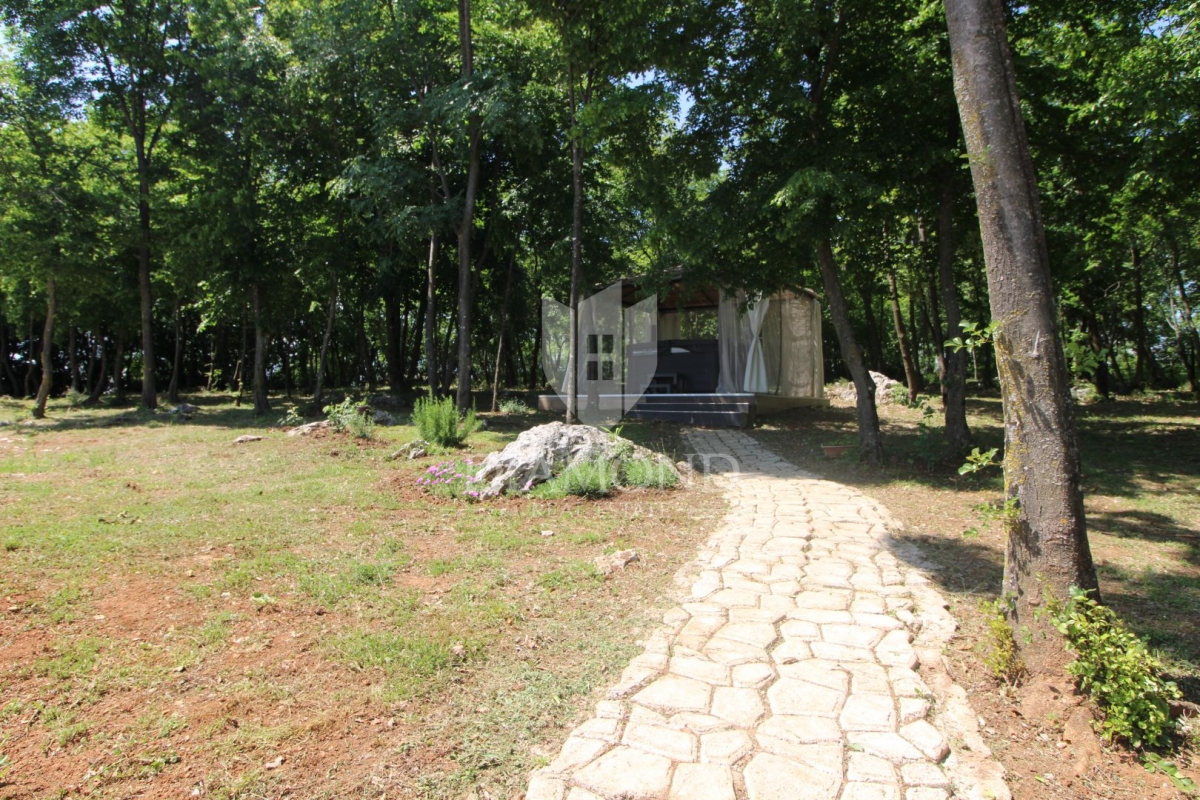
[
  {"x": 247, "y": 438},
  {"x": 417, "y": 448},
  {"x": 614, "y": 561},
  {"x": 305, "y": 430}
]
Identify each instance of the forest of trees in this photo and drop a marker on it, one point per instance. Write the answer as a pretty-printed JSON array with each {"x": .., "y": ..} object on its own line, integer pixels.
[{"x": 300, "y": 194}]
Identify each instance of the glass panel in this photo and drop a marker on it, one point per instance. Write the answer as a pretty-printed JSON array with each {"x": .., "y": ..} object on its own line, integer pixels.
[
  {"x": 606, "y": 369},
  {"x": 593, "y": 371},
  {"x": 592, "y": 344},
  {"x": 606, "y": 343}
]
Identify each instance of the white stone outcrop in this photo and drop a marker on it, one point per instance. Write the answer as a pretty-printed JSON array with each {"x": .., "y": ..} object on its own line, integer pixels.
[{"x": 542, "y": 452}]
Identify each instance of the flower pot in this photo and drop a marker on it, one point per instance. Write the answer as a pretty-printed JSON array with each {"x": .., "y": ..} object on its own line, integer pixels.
[{"x": 835, "y": 450}]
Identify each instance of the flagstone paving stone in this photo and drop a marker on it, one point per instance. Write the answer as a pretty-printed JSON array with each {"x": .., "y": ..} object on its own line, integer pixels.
[{"x": 789, "y": 668}]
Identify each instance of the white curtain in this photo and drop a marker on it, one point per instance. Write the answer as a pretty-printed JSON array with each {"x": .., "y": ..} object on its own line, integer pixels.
[
  {"x": 755, "y": 379},
  {"x": 733, "y": 334}
]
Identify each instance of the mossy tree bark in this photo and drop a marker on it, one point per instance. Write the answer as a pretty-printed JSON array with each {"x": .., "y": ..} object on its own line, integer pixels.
[{"x": 1047, "y": 541}]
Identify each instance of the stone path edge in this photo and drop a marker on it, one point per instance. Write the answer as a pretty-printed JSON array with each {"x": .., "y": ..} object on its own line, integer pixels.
[{"x": 625, "y": 738}]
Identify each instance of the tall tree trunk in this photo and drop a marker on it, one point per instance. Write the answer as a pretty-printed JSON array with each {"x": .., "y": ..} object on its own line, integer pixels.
[
  {"x": 866, "y": 293},
  {"x": 394, "y": 351},
  {"x": 101, "y": 381},
  {"x": 364, "y": 363},
  {"x": 149, "y": 389},
  {"x": 119, "y": 368},
  {"x": 39, "y": 406},
  {"x": 209, "y": 383},
  {"x": 508, "y": 283},
  {"x": 1141, "y": 348},
  {"x": 318, "y": 392},
  {"x": 954, "y": 380},
  {"x": 285, "y": 356},
  {"x": 405, "y": 321},
  {"x": 73, "y": 361},
  {"x": 911, "y": 376},
  {"x": 1047, "y": 537},
  {"x": 418, "y": 343},
  {"x": 8, "y": 370},
  {"x": 31, "y": 361},
  {"x": 1096, "y": 342},
  {"x": 572, "y": 386},
  {"x": 466, "y": 224},
  {"x": 869, "y": 441},
  {"x": 262, "y": 404},
  {"x": 177, "y": 360},
  {"x": 1189, "y": 321},
  {"x": 431, "y": 361},
  {"x": 89, "y": 367},
  {"x": 242, "y": 368},
  {"x": 914, "y": 332},
  {"x": 930, "y": 311}
]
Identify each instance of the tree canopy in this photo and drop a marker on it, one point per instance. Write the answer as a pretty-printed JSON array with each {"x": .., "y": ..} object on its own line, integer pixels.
[{"x": 289, "y": 195}]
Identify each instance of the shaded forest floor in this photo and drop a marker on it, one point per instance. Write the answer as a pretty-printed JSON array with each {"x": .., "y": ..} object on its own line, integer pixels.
[
  {"x": 1141, "y": 464},
  {"x": 183, "y": 616}
]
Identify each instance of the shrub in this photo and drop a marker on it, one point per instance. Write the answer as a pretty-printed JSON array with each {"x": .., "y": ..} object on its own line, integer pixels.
[
  {"x": 650, "y": 473},
  {"x": 585, "y": 479},
  {"x": 346, "y": 416},
  {"x": 291, "y": 417},
  {"x": 76, "y": 398},
  {"x": 437, "y": 421},
  {"x": 513, "y": 406},
  {"x": 1114, "y": 666},
  {"x": 1000, "y": 655},
  {"x": 452, "y": 479}
]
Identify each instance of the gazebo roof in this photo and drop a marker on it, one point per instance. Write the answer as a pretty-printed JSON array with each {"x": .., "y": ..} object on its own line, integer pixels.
[{"x": 680, "y": 295}]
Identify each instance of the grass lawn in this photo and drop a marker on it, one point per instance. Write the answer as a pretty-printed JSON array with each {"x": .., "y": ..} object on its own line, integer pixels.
[
  {"x": 186, "y": 616},
  {"x": 1141, "y": 465}
]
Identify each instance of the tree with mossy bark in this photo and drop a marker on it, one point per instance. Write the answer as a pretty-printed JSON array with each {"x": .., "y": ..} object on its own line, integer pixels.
[{"x": 1047, "y": 550}]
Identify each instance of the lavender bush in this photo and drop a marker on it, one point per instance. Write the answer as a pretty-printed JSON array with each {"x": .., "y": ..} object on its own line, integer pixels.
[{"x": 452, "y": 479}]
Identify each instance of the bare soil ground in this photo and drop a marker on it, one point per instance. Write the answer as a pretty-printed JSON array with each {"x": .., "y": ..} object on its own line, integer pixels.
[
  {"x": 1141, "y": 460},
  {"x": 293, "y": 617}
]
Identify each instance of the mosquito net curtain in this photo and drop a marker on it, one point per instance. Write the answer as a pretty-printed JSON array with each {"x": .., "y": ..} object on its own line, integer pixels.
[{"x": 784, "y": 358}]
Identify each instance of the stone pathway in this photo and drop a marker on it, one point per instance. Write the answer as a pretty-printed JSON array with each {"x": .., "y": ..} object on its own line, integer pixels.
[{"x": 791, "y": 671}]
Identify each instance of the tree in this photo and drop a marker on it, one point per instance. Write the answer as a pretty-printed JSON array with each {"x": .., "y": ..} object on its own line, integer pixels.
[
  {"x": 52, "y": 191},
  {"x": 128, "y": 58},
  {"x": 1047, "y": 546}
]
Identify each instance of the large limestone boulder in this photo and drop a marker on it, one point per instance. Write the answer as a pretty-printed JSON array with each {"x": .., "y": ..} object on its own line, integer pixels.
[
  {"x": 883, "y": 390},
  {"x": 542, "y": 452}
]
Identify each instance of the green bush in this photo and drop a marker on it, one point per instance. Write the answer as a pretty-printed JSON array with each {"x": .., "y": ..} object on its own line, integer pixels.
[
  {"x": 291, "y": 417},
  {"x": 76, "y": 398},
  {"x": 1000, "y": 649},
  {"x": 346, "y": 416},
  {"x": 585, "y": 479},
  {"x": 513, "y": 406},
  {"x": 437, "y": 421},
  {"x": 1115, "y": 667},
  {"x": 650, "y": 474}
]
